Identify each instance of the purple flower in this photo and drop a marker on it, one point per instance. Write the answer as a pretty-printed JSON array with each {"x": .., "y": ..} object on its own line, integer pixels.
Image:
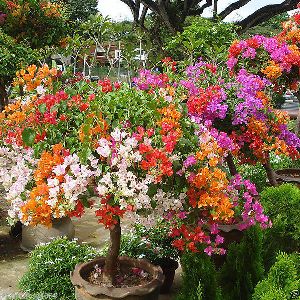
[
  {"x": 219, "y": 240},
  {"x": 190, "y": 161},
  {"x": 209, "y": 250},
  {"x": 182, "y": 215},
  {"x": 2, "y": 17},
  {"x": 249, "y": 53},
  {"x": 214, "y": 229}
]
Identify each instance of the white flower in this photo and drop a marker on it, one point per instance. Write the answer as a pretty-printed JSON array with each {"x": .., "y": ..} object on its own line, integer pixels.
[
  {"x": 104, "y": 148},
  {"x": 118, "y": 135},
  {"x": 102, "y": 189},
  {"x": 52, "y": 182},
  {"x": 59, "y": 170},
  {"x": 75, "y": 169},
  {"x": 40, "y": 90}
]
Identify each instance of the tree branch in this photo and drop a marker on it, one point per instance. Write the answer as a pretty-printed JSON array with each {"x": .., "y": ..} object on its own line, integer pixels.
[
  {"x": 265, "y": 13},
  {"x": 199, "y": 11},
  {"x": 232, "y": 7}
]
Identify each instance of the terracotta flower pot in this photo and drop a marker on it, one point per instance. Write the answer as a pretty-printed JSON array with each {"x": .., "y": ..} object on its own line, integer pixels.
[
  {"x": 84, "y": 290},
  {"x": 34, "y": 235},
  {"x": 168, "y": 266},
  {"x": 288, "y": 176}
]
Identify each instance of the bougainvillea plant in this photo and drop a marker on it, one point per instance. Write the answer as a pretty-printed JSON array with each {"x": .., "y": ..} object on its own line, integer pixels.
[
  {"x": 164, "y": 147},
  {"x": 278, "y": 60}
]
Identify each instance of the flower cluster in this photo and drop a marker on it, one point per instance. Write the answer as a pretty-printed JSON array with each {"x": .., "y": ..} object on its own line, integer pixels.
[
  {"x": 36, "y": 79},
  {"x": 277, "y": 58},
  {"x": 148, "y": 80}
]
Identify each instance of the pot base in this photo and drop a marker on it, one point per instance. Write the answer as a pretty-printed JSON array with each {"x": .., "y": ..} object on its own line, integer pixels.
[
  {"x": 84, "y": 290},
  {"x": 81, "y": 294}
]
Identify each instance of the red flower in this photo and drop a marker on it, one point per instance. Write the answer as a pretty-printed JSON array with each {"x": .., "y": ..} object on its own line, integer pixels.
[
  {"x": 63, "y": 118},
  {"x": 92, "y": 97},
  {"x": 179, "y": 244},
  {"x": 84, "y": 106}
]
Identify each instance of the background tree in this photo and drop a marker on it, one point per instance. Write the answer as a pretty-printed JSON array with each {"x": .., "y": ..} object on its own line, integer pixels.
[
  {"x": 26, "y": 28},
  {"x": 202, "y": 38},
  {"x": 79, "y": 10},
  {"x": 172, "y": 14},
  {"x": 268, "y": 28}
]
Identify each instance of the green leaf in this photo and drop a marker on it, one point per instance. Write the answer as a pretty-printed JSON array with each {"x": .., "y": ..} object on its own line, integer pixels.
[
  {"x": 42, "y": 108},
  {"x": 28, "y": 136}
]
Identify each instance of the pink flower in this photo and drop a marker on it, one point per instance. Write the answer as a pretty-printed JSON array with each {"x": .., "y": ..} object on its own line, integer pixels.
[{"x": 209, "y": 250}]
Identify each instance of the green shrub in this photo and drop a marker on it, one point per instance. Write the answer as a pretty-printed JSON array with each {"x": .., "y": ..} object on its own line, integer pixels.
[
  {"x": 242, "y": 270},
  {"x": 152, "y": 243},
  {"x": 243, "y": 267},
  {"x": 50, "y": 266},
  {"x": 282, "y": 281},
  {"x": 282, "y": 206},
  {"x": 199, "y": 278}
]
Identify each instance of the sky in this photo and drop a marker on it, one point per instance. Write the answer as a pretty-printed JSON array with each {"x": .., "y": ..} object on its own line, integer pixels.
[{"x": 117, "y": 10}]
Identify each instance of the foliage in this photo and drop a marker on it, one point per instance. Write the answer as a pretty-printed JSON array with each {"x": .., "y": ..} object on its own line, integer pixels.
[
  {"x": 202, "y": 38},
  {"x": 282, "y": 205},
  {"x": 243, "y": 267},
  {"x": 80, "y": 11},
  {"x": 38, "y": 22},
  {"x": 278, "y": 100},
  {"x": 282, "y": 281},
  {"x": 269, "y": 28},
  {"x": 13, "y": 56},
  {"x": 152, "y": 243},
  {"x": 50, "y": 266},
  {"x": 199, "y": 277}
]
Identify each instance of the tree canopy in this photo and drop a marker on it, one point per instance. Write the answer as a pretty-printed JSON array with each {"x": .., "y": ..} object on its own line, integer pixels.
[
  {"x": 172, "y": 14},
  {"x": 79, "y": 10}
]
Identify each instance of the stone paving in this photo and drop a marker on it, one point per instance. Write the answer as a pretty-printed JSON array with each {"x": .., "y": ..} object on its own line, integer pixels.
[{"x": 14, "y": 261}]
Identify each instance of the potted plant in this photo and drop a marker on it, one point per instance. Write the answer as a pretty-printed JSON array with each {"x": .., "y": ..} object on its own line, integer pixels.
[
  {"x": 155, "y": 245},
  {"x": 74, "y": 144}
]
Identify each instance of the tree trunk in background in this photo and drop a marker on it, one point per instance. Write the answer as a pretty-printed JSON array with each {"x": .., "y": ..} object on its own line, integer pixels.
[
  {"x": 111, "y": 262},
  {"x": 270, "y": 173},
  {"x": 3, "y": 95},
  {"x": 231, "y": 165}
]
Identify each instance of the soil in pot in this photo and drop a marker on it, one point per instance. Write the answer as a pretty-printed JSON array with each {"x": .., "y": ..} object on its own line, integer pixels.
[
  {"x": 148, "y": 288},
  {"x": 126, "y": 276},
  {"x": 168, "y": 267}
]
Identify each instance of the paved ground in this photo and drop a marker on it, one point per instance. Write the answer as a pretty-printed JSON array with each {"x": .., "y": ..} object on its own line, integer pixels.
[{"x": 13, "y": 261}]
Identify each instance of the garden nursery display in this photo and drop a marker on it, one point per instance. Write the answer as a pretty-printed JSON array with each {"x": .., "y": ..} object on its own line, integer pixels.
[{"x": 166, "y": 153}]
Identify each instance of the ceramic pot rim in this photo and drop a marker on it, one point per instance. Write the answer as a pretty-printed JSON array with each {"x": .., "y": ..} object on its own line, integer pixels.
[{"x": 115, "y": 292}]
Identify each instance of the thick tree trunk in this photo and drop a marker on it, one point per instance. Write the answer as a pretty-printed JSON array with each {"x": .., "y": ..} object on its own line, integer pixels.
[
  {"x": 231, "y": 165},
  {"x": 270, "y": 173},
  {"x": 111, "y": 262}
]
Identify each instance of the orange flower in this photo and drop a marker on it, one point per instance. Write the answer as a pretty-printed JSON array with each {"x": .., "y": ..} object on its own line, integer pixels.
[{"x": 272, "y": 71}]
